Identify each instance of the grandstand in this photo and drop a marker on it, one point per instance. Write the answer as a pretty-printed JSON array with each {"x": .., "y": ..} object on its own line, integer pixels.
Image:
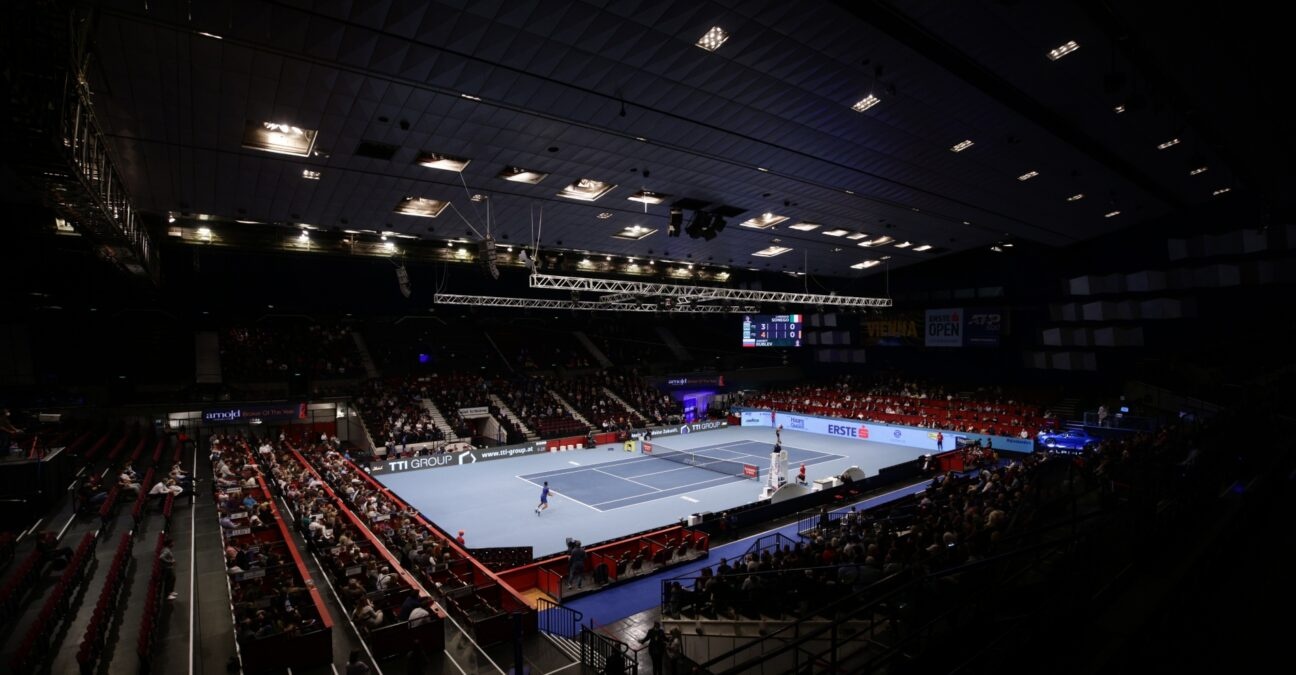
[{"x": 484, "y": 338}]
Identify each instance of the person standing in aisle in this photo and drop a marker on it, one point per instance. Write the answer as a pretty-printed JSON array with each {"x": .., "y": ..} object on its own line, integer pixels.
[{"x": 656, "y": 639}]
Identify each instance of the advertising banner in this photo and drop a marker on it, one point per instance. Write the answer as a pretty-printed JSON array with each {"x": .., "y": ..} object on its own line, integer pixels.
[
  {"x": 757, "y": 418},
  {"x": 505, "y": 452},
  {"x": 712, "y": 380},
  {"x": 913, "y": 437},
  {"x": 984, "y": 327},
  {"x": 944, "y": 328},
  {"x": 274, "y": 412},
  {"x": 458, "y": 458},
  {"x": 894, "y": 329},
  {"x": 675, "y": 430}
]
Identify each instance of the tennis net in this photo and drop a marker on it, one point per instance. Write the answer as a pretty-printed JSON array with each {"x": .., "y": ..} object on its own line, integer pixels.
[{"x": 727, "y": 467}]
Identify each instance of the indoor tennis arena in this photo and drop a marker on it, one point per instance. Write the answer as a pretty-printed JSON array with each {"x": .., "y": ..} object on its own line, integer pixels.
[{"x": 664, "y": 338}]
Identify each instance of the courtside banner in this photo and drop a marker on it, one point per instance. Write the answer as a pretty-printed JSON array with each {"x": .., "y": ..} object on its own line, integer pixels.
[
  {"x": 913, "y": 437},
  {"x": 508, "y": 451},
  {"x": 457, "y": 458},
  {"x": 757, "y": 418},
  {"x": 944, "y": 328},
  {"x": 677, "y": 429}
]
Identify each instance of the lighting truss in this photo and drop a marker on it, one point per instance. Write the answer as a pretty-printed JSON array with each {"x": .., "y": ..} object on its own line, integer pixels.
[
  {"x": 618, "y": 297},
  {"x": 646, "y": 288},
  {"x": 538, "y": 303}
]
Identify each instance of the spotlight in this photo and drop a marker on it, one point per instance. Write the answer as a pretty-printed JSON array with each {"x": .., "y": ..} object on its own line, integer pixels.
[{"x": 700, "y": 225}]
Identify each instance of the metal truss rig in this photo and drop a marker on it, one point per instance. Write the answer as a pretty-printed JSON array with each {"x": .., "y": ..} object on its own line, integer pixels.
[
  {"x": 646, "y": 288},
  {"x": 536, "y": 303}
]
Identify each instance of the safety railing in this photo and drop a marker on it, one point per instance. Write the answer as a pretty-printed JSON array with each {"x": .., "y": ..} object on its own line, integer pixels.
[
  {"x": 606, "y": 654},
  {"x": 555, "y": 619}
]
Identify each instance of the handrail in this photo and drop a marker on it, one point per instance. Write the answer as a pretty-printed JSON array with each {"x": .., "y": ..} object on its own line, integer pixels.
[
  {"x": 853, "y": 607},
  {"x": 597, "y": 648},
  {"x": 446, "y": 539},
  {"x": 326, "y": 621},
  {"x": 558, "y": 619},
  {"x": 364, "y": 530}
]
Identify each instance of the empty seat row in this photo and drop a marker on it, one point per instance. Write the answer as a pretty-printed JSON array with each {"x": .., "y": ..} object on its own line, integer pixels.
[
  {"x": 34, "y": 648},
  {"x": 92, "y": 643}
]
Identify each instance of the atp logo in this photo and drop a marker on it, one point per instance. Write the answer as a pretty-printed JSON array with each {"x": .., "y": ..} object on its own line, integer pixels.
[
  {"x": 896, "y": 433},
  {"x": 684, "y": 429}
]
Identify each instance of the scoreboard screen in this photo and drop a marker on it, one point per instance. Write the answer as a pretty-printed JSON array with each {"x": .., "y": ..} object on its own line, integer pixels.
[{"x": 772, "y": 330}]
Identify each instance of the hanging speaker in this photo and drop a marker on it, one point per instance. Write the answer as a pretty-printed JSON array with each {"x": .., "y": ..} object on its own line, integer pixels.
[
  {"x": 488, "y": 257},
  {"x": 402, "y": 279}
]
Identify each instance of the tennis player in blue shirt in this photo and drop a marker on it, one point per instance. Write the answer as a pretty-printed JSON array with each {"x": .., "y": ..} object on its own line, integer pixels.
[{"x": 544, "y": 499}]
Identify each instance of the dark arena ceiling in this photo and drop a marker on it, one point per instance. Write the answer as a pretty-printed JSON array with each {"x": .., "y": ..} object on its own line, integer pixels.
[{"x": 1138, "y": 122}]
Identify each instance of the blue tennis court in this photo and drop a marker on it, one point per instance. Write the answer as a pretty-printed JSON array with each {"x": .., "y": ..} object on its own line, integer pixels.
[{"x": 645, "y": 478}]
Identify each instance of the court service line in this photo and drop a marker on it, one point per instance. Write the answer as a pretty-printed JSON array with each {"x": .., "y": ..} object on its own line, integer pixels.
[
  {"x": 615, "y": 462},
  {"x": 555, "y": 492},
  {"x": 628, "y": 480},
  {"x": 686, "y": 488}
]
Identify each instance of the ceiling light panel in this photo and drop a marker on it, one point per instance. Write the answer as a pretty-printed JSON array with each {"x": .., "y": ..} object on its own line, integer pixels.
[
  {"x": 1062, "y": 50},
  {"x": 805, "y": 227},
  {"x": 764, "y": 221},
  {"x": 421, "y": 207},
  {"x": 771, "y": 251},
  {"x": 1198, "y": 171},
  {"x": 866, "y": 103},
  {"x": 310, "y": 175},
  {"x": 962, "y": 145},
  {"x": 924, "y": 247},
  {"x": 856, "y": 236},
  {"x": 278, "y": 137},
  {"x": 713, "y": 38},
  {"x": 903, "y": 244},
  {"x": 436, "y": 160},
  {"x": 1111, "y": 214},
  {"x": 1076, "y": 197},
  {"x": 520, "y": 175},
  {"x": 1027, "y": 176},
  {"x": 586, "y": 190},
  {"x": 647, "y": 197},
  {"x": 837, "y": 232},
  {"x": 634, "y": 233},
  {"x": 1168, "y": 144},
  {"x": 866, "y": 264}
]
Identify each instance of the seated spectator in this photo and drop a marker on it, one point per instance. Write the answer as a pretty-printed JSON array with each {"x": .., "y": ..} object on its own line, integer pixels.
[
  {"x": 47, "y": 543},
  {"x": 366, "y": 616},
  {"x": 420, "y": 610},
  {"x": 163, "y": 488}
]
